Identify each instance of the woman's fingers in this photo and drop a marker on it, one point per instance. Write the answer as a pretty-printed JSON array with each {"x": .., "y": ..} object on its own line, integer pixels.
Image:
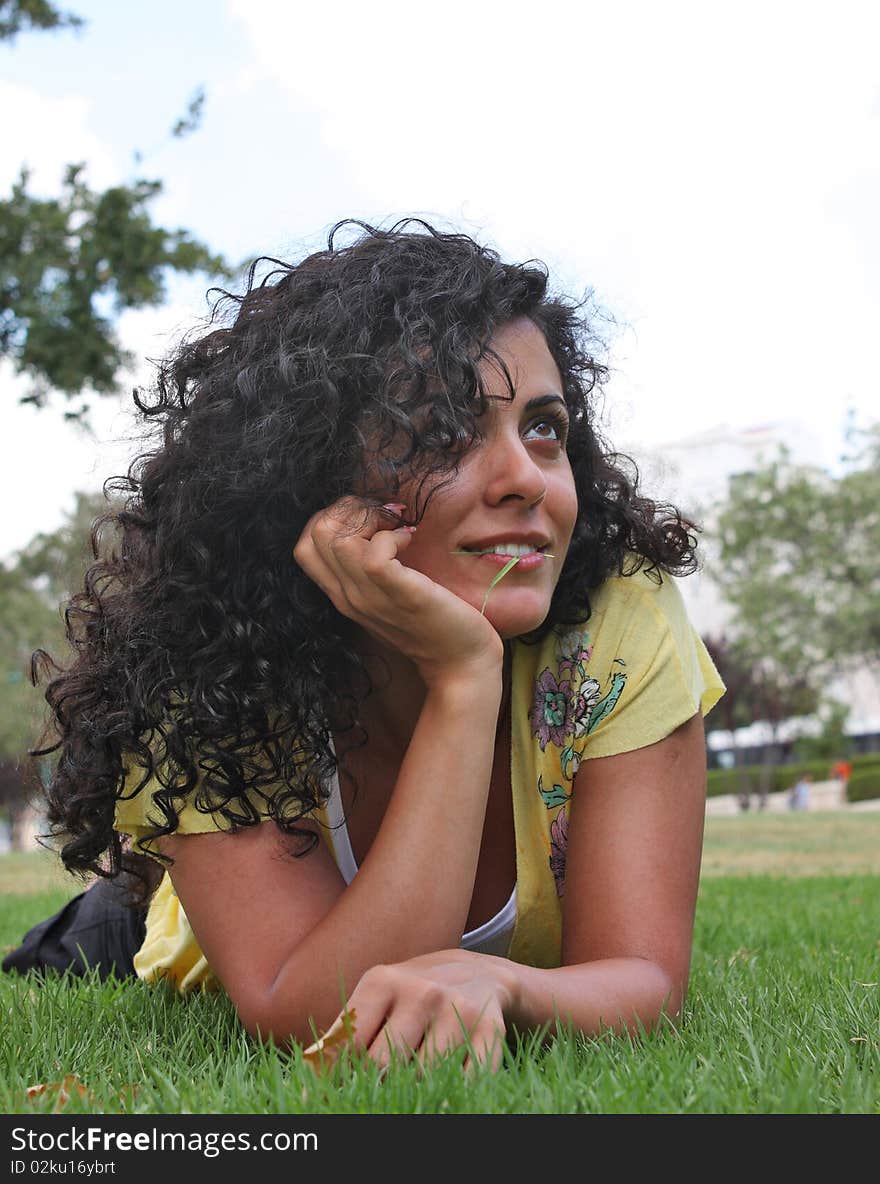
[
  {"x": 350, "y": 518},
  {"x": 347, "y": 547},
  {"x": 445, "y": 1034},
  {"x": 394, "y": 1015},
  {"x": 399, "y": 1037},
  {"x": 359, "y": 1025},
  {"x": 354, "y": 556},
  {"x": 346, "y": 519},
  {"x": 483, "y": 1037},
  {"x": 485, "y": 1046},
  {"x": 366, "y": 571}
]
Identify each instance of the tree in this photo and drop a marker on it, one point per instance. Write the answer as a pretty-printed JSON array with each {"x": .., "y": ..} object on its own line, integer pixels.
[
  {"x": 737, "y": 706},
  {"x": 55, "y": 561},
  {"x": 69, "y": 265},
  {"x": 797, "y": 564},
  {"x": 63, "y": 261},
  {"x": 26, "y": 621},
  {"x": 756, "y": 692},
  {"x": 16, "y": 16},
  {"x": 32, "y": 591},
  {"x": 832, "y": 742}
]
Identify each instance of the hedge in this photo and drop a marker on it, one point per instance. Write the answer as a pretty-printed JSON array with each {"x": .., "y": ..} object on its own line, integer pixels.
[
  {"x": 778, "y": 778},
  {"x": 754, "y": 779},
  {"x": 864, "y": 784}
]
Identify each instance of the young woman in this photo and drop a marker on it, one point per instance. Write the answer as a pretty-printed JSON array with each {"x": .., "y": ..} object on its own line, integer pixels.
[{"x": 387, "y": 671}]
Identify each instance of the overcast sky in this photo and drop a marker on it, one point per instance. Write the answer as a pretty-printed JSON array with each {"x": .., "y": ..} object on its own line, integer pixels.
[{"x": 711, "y": 171}]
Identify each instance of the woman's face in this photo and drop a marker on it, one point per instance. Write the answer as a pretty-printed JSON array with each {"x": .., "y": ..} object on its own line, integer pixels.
[{"x": 514, "y": 493}]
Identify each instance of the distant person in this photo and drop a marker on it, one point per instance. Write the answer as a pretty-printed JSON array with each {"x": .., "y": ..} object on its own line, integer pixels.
[
  {"x": 841, "y": 772},
  {"x": 799, "y": 794},
  {"x": 387, "y": 661}
]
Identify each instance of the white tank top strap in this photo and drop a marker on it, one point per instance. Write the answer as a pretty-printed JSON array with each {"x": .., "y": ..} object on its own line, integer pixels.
[
  {"x": 493, "y": 937},
  {"x": 337, "y": 834}
]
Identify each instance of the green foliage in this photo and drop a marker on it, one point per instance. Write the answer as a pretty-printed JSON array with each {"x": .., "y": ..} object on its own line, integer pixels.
[
  {"x": 832, "y": 743},
  {"x": 756, "y": 689},
  {"x": 17, "y": 16},
  {"x": 69, "y": 265},
  {"x": 32, "y": 590},
  {"x": 721, "y": 782},
  {"x": 57, "y": 560},
  {"x": 797, "y": 564},
  {"x": 784, "y": 776},
  {"x": 27, "y": 620},
  {"x": 190, "y": 121},
  {"x": 864, "y": 784},
  {"x": 759, "y": 779}
]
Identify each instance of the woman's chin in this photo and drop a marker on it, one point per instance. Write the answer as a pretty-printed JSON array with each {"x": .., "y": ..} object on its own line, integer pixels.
[{"x": 513, "y": 620}]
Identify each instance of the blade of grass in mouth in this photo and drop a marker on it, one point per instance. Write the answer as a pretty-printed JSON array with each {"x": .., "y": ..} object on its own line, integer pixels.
[{"x": 511, "y": 563}]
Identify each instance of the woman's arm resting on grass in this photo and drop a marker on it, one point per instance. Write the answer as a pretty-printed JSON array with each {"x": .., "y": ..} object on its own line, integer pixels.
[
  {"x": 285, "y": 936},
  {"x": 635, "y": 840},
  {"x": 635, "y": 843}
]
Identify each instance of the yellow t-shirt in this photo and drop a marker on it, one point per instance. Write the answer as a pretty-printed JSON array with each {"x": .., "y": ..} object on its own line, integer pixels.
[{"x": 629, "y": 677}]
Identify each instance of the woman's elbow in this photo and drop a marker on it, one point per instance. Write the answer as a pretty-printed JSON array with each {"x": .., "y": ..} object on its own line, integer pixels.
[
  {"x": 662, "y": 998},
  {"x": 270, "y": 1019},
  {"x": 654, "y": 995},
  {"x": 266, "y": 1025}
]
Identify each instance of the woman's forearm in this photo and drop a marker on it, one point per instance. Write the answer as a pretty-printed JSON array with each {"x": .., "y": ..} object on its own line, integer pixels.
[
  {"x": 624, "y": 994},
  {"x": 412, "y": 892}
]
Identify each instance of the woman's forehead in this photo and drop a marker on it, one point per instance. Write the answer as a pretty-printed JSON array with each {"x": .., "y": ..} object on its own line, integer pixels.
[{"x": 518, "y": 361}]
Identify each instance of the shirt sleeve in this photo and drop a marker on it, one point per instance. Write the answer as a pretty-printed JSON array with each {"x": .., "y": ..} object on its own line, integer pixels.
[
  {"x": 139, "y": 816},
  {"x": 649, "y": 671}
]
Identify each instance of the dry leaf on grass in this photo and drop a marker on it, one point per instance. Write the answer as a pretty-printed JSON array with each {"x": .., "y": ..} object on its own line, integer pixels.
[
  {"x": 338, "y": 1034},
  {"x": 61, "y": 1090}
]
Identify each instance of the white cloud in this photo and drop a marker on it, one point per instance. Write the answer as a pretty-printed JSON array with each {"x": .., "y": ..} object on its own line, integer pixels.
[
  {"x": 47, "y": 134},
  {"x": 687, "y": 160}
]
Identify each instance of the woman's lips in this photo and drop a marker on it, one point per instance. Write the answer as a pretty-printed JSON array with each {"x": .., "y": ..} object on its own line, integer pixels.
[{"x": 524, "y": 562}]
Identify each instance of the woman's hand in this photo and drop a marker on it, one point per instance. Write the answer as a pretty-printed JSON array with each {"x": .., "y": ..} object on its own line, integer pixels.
[
  {"x": 352, "y": 553},
  {"x": 423, "y": 1008}
]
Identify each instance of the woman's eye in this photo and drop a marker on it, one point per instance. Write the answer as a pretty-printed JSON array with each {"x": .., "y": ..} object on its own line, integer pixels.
[{"x": 547, "y": 429}]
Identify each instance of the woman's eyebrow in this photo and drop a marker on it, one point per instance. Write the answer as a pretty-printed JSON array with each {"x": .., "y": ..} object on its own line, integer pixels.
[
  {"x": 543, "y": 401},
  {"x": 531, "y": 404}
]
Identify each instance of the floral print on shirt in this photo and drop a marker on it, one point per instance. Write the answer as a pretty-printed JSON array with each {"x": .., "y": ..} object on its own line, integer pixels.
[{"x": 567, "y": 705}]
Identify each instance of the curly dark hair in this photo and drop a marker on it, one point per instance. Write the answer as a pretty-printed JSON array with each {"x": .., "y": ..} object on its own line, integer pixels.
[{"x": 203, "y": 656}]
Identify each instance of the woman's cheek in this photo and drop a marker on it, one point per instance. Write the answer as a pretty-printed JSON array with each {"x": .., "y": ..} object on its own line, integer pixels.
[
  {"x": 423, "y": 557},
  {"x": 568, "y": 518}
]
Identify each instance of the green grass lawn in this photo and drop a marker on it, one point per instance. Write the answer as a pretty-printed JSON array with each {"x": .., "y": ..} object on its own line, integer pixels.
[{"x": 783, "y": 1014}]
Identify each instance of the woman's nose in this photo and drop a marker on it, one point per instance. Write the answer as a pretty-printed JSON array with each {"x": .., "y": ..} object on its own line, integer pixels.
[{"x": 512, "y": 472}]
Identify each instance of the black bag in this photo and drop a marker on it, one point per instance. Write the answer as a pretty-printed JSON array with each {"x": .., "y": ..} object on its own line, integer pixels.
[{"x": 99, "y": 929}]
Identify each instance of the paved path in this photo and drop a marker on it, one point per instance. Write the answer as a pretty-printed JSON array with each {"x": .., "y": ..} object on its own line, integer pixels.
[{"x": 824, "y": 795}]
